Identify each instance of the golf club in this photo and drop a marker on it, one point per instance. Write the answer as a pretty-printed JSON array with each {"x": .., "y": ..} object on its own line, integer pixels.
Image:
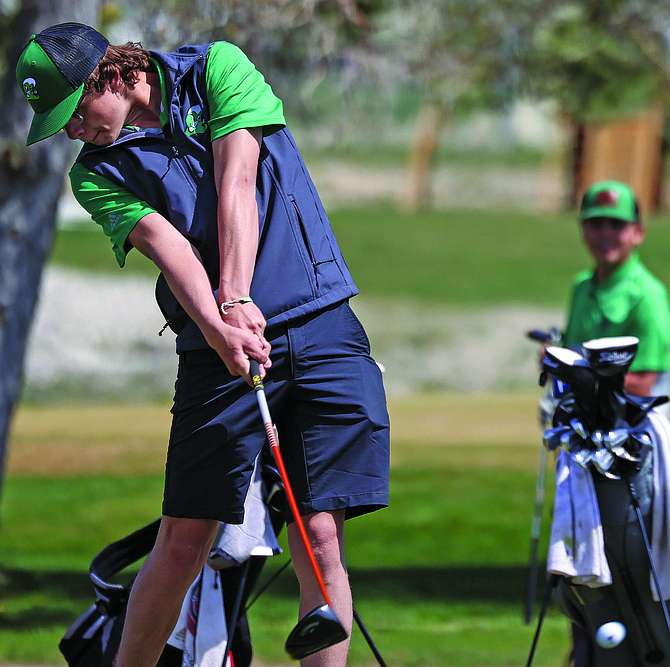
[
  {"x": 319, "y": 628},
  {"x": 652, "y": 566},
  {"x": 234, "y": 617},
  {"x": 368, "y": 639},
  {"x": 552, "y": 337},
  {"x": 652, "y": 654},
  {"x": 552, "y": 582},
  {"x": 535, "y": 531}
]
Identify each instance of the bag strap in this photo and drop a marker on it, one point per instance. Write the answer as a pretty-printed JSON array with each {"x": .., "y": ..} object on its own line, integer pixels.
[{"x": 114, "y": 558}]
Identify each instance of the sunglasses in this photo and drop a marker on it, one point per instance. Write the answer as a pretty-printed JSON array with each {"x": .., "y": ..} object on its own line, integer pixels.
[{"x": 75, "y": 113}]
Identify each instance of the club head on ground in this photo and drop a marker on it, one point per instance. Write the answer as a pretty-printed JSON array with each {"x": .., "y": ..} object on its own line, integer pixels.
[{"x": 316, "y": 630}]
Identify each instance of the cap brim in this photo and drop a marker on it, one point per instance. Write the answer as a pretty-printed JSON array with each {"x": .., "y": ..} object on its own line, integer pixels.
[
  {"x": 604, "y": 212},
  {"x": 50, "y": 122}
]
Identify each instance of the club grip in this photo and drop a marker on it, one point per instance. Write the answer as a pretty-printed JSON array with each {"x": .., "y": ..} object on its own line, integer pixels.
[
  {"x": 540, "y": 336},
  {"x": 553, "y": 336},
  {"x": 255, "y": 372}
]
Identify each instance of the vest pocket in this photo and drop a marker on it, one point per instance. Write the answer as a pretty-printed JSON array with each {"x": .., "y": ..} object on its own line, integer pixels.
[{"x": 322, "y": 254}]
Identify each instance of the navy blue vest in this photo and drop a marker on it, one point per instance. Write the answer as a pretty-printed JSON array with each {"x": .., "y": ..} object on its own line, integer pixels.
[{"x": 299, "y": 267}]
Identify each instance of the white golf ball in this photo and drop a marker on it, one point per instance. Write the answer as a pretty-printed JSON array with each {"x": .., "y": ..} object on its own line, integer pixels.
[{"x": 611, "y": 634}]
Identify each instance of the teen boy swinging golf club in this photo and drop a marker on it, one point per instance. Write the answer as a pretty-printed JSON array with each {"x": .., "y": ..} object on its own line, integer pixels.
[{"x": 187, "y": 158}]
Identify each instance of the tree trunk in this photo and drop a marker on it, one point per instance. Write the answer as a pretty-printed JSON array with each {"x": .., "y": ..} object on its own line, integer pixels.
[
  {"x": 417, "y": 192},
  {"x": 31, "y": 182}
]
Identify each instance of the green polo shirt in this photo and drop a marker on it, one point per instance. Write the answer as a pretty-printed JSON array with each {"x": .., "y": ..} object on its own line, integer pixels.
[{"x": 631, "y": 302}]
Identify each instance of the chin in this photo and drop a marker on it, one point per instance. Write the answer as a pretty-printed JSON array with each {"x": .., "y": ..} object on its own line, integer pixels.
[
  {"x": 102, "y": 141},
  {"x": 608, "y": 258}
]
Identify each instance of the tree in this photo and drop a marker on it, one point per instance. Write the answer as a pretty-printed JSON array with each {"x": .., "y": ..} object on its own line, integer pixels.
[
  {"x": 462, "y": 56},
  {"x": 595, "y": 58},
  {"x": 31, "y": 182},
  {"x": 296, "y": 44},
  {"x": 600, "y": 60},
  {"x": 606, "y": 64}
]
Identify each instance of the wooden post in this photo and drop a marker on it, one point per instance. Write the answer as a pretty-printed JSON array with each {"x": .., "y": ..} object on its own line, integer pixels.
[{"x": 628, "y": 150}]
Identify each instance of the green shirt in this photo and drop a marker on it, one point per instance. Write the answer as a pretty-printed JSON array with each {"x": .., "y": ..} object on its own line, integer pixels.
[
  {"x": 238, "y": 97},
  {"x": 631, "y": 302}
]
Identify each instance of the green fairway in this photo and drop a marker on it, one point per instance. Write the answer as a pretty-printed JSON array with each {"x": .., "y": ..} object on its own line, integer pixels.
[
  {"x": 438, "y": 578},
  {"x": 459, "y": 258}
]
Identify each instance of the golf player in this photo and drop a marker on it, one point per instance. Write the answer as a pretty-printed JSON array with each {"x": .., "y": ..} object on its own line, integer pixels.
[
  {"x": 618, "y": 297},
  {"x": 187, "y": 158}
]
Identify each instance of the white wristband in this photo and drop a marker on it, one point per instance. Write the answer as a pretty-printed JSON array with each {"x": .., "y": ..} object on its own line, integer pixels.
[{"x": 229, "y": 304}]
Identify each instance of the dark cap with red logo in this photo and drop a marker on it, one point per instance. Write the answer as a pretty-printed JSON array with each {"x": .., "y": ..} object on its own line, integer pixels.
[{"x": 609, "y": 199}]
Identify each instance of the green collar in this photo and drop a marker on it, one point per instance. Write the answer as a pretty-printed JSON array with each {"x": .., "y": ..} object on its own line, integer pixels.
[
  {"x": 164, "y": 116},
  {"x": 623, "y": 273}
]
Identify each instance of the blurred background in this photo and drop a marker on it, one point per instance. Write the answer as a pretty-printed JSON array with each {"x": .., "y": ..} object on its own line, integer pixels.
[
  {"x": 451, "y": 141},
  {"x": 440, "y": 106}
]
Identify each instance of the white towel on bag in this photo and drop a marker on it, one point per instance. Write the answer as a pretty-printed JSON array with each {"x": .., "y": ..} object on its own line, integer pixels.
[
  {"x": 577, "y": 546},
  {"x": 201, "y": 631},
  {"x": 253, "y": 537},
  {"x": 660, "y": 520}
]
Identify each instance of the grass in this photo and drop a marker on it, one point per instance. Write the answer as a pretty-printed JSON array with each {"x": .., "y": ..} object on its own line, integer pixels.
[
  {"x": 472, "y": 258},
  {"x": 438, "y": 577},
  {"x": 85, "y": 248},
  {"x": 452, "y": 258},
  {"x": 374, "y": 155}
]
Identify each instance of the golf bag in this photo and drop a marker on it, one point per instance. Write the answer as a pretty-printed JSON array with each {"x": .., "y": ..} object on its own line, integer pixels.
[
  {"x": 93, "y": 639},
  {"x": 611, "y": 495}
]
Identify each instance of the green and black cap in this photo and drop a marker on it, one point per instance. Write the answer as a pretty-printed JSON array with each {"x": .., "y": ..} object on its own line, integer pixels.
[
  {"x": 609, "y": 199},
  {"x": 52, "y": 70}
]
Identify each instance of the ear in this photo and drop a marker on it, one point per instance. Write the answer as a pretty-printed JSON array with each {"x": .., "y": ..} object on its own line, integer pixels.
[
  {"x": 116, "y": 81},
  {"x": 640, "y": 231}
]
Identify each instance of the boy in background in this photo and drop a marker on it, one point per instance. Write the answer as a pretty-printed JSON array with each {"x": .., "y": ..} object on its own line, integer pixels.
[{"x": 618, "y": 297}]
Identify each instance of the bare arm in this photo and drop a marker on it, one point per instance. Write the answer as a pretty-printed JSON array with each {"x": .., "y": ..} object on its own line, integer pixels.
[
  {"x": 235, "y": 171},
  {"x": 174, "y": 255},
  {"x": 640, "y": 383}
]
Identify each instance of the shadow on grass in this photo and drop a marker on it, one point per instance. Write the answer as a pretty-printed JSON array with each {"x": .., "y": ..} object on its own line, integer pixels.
[
  {"x": 486, "y": 583},
  {"x": 495, "y": 584},
  {"x": 38, "y": 599}
]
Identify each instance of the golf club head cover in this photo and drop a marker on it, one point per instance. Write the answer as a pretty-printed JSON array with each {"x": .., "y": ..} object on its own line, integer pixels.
[
  {"x": 596, "y": 408},
  {"x": 573, "y": 370},
  {"x": 610, "y": 357}
]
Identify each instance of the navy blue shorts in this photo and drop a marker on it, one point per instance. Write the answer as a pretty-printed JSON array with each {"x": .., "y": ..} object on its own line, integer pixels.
[{"x": 327, "y": 400}]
